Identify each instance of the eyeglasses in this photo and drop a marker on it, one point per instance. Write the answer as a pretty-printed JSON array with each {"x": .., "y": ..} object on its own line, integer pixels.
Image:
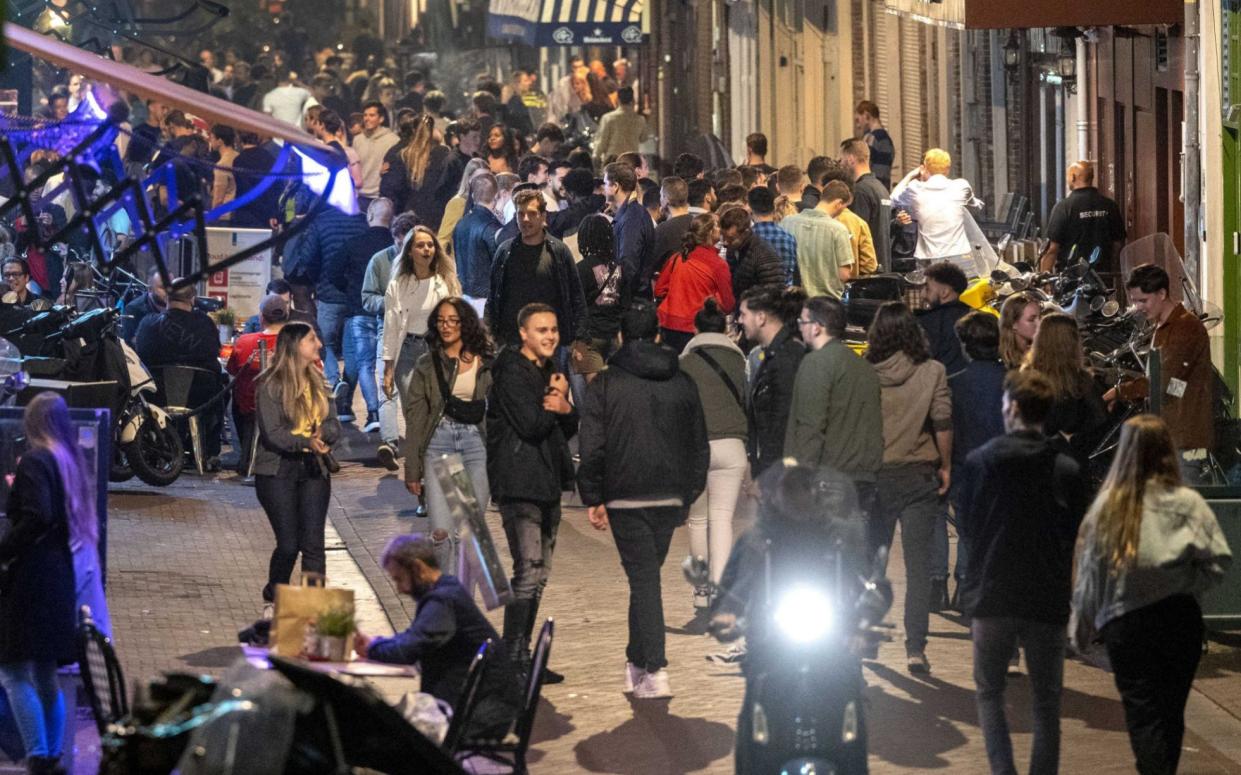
[
  {"x": 448, "y": 322},
  {"x": 12, "y": 275},
  {"x": 801, "y": 322}
]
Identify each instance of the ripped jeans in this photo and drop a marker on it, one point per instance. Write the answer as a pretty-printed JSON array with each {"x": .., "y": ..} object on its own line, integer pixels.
[{"x": 530, "y": 527}]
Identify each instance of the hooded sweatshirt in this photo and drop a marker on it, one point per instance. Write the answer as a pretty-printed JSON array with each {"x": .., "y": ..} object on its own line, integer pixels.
[
  {"x": 916, "y": 403},
  {"x": 643, "y": 436}
]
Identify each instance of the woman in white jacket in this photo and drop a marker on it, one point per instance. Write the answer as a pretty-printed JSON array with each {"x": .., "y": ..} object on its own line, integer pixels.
[
  {"x": 424, "y": 276},
  {"x": 1148, "y": 548}
]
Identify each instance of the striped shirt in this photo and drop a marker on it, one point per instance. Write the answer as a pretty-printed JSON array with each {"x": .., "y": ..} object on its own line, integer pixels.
[
  {"x": 785, "y": 245},
  {"x": 823, "y": 249}
]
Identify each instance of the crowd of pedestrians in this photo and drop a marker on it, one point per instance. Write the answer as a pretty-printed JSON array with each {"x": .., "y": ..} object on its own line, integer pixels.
[{"x": 563, "y": 321}]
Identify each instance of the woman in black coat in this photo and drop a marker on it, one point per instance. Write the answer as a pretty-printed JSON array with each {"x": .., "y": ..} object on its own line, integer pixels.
[
  {"x": 50, "y": 508},
  {"x": 415, "y": 171}
]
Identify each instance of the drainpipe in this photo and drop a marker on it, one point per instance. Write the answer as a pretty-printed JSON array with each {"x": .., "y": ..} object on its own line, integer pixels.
[
  {"x": 1084, "y": 82},
  {"x": 1193, "y": 149}
]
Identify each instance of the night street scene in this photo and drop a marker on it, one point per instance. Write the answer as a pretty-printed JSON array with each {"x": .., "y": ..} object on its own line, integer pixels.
[{"x": 641, "y": 387}]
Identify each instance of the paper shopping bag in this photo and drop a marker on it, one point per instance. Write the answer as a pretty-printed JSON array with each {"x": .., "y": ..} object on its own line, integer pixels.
[{"x": 299, "y": 606}]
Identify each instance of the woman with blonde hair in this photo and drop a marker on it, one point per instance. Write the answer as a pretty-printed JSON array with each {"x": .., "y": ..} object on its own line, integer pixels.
[
  {"x": 1019, "y": 321},
  {"x": 1078, "y": 408},
  {"x": 53, "y": 520},
  {"x": 422, "y": 277},
  {"x": 1146, "y": 551},
  {"x": 460, "y": 203},
  {"x": 416, "y": 170},
  {"x": 293, "y": 462}
]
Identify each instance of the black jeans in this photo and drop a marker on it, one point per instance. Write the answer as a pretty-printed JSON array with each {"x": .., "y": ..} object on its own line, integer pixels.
[
  {"x": 642, "y": 539},
  {"x": 245, "y": 426},
  {"x": 1154, "y": 653},
  {"x": 296, "y": 505},
  {"x": 531, "y": 528}
]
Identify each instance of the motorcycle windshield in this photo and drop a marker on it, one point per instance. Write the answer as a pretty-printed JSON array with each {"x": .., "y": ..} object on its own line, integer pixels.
[{"x": 1160, "y": 250}]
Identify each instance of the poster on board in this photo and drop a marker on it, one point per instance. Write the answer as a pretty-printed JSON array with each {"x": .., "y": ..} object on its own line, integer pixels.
[{"x": 241, "y": 286}]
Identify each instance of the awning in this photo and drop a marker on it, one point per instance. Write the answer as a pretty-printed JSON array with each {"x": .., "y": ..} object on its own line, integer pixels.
[
  {"x": 567, "y": 22},
  {"x": 1020, "y": 14}
]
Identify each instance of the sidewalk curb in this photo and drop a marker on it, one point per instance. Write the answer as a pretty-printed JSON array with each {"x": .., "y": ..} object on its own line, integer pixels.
[{"x": 392, "y": 602}]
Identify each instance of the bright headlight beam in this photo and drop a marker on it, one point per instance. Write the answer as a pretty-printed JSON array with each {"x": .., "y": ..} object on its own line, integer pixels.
[{"x": 804, "y": 614}]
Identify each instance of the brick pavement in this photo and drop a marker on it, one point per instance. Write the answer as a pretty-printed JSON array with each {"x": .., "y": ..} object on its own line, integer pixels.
[{"x": 187, "y": 562}]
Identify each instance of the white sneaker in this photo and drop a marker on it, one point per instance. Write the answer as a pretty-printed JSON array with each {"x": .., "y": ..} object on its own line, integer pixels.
[
  {"x": 653, "y": 686},
  {"x": 269, "y": 612},
  {"x": 633, "y": 676}
]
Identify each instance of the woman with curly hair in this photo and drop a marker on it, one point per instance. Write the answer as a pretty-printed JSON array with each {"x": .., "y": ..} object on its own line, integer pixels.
[
  {"x": 501, "y": 150},
  {"x": 917, "y": 458},
  {"x": 607, "y": 294},
  {"x": 423, "y": 277},
  {"x": 444, "y": 413},
  {"x": 416, "y": 170}
]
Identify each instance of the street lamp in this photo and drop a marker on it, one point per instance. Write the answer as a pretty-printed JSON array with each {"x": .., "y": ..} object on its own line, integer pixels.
[
  {"x": 1012, "y": 51},
  {"x": 1066, "y": 67}
]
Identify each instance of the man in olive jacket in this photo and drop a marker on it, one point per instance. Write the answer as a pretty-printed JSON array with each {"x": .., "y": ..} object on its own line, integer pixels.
[{"x": 644, "y": 461}]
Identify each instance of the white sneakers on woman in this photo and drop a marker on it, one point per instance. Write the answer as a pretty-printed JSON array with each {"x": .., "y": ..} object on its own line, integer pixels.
[{"x": 646, "y": 686}]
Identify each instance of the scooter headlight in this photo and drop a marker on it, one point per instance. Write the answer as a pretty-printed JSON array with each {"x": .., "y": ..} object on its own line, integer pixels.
[{"x": 804, "y": 614}]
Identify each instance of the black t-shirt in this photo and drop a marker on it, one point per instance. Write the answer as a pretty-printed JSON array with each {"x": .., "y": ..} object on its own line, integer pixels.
[
  {"x": 868, "y": 196},
  {"x": 249, "y": 169},
  {"x": 528, "y": 278},
  {"x": 1089, "y": 220}
]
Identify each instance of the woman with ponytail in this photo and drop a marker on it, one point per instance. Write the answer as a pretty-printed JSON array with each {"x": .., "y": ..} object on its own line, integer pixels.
[
  {"x": 52, "y": 516},
  {"x": 415, "y": 171},
  {"x": 689, "y": 278}
]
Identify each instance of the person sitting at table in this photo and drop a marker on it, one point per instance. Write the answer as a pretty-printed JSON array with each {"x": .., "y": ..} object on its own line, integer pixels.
[{"x": 445, "y": 635}]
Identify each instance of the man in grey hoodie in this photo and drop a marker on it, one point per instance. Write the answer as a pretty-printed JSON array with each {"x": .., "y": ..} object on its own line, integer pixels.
[{"x": 917, "y": 458}]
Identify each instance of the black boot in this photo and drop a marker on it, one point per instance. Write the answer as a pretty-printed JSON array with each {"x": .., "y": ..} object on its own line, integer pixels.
[
  {"x": 549, "y": 676},
  {"x": 516, "y": 639}
]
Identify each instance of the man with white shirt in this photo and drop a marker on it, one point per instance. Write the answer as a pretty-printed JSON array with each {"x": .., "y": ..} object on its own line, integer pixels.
[
  {"x": 938, "y": 204},
  {"x": 287, "y": 102}
]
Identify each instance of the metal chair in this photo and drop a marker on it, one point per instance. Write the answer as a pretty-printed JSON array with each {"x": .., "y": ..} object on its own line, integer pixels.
[
  {"x": 513, "y": 748},
  {"x": 469, "y": 699},
  {"x": 101, "y": 673},
  {"x": 179, "y": 387}
]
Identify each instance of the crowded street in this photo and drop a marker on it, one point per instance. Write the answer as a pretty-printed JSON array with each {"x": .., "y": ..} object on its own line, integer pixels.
[{"x": 770, "y": 387}]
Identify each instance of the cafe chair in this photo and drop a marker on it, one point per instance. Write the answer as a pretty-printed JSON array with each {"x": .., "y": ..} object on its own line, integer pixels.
[
  {"x": 469, "y": 698},
  {"x": 511, "y": 751},
  {"x": 101, "y": 673},
  {"x": 179, "y": 388}
]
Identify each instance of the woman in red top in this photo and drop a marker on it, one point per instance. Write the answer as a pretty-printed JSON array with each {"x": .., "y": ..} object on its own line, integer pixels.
[
  {"x": 689, "y": 278},
  {"x": 244, "y": 363}
]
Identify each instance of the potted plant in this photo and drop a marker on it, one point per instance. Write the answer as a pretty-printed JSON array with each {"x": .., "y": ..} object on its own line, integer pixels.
[
  {"x": 333, "y": 628},
  {"x": 226, "y": 320}
]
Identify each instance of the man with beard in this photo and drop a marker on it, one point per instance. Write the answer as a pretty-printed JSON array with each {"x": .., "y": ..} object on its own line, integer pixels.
[
  {"x": 445, "y": 635},
  {"x": 945, "y": 282}
]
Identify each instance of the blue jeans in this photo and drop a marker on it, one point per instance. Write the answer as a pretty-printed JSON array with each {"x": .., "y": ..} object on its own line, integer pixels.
[
  {"x": 389, "y": 430},
  {"x": 37, "y": 704},
  {"x": 995, "y": 640},
  {"x": 466, "y": 440},
  {"x": 358, "y": 368},
  {"x": 332, "y": 318}
]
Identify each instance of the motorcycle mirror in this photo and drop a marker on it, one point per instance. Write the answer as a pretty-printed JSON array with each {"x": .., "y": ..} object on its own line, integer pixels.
[
  {"x": 1110, "y": 308},
  {"x": 1096, "y": 304},
  {"x": 1018, "y": 284},
  {"x": 999, "y": 277},
  {"x": 916, "y": 277}
]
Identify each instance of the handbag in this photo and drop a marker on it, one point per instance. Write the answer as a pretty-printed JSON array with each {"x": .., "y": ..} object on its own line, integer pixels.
[{"x": 458, "y": 409}]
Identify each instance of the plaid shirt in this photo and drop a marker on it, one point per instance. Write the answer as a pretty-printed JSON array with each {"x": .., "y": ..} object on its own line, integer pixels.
[{"x": 785, "y": 245}]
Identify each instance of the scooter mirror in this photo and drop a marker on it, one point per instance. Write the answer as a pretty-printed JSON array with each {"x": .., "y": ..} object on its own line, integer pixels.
[
  {"x": 999, "y": 277},
  {"x": 1096, "y": 303},
  {"x": 916, "y": 277}
]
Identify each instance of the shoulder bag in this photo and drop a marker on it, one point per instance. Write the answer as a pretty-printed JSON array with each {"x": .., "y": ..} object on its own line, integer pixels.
[{"x": 457, "y": 409}]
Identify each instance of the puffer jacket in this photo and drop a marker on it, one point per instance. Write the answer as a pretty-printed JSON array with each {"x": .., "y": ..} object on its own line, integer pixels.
[
  {"x": 916, "y": 403},
  {"x": 424, "y": 406},
  {"x": 643, "y": 431},
  {"x": 754, "y": 263}
]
